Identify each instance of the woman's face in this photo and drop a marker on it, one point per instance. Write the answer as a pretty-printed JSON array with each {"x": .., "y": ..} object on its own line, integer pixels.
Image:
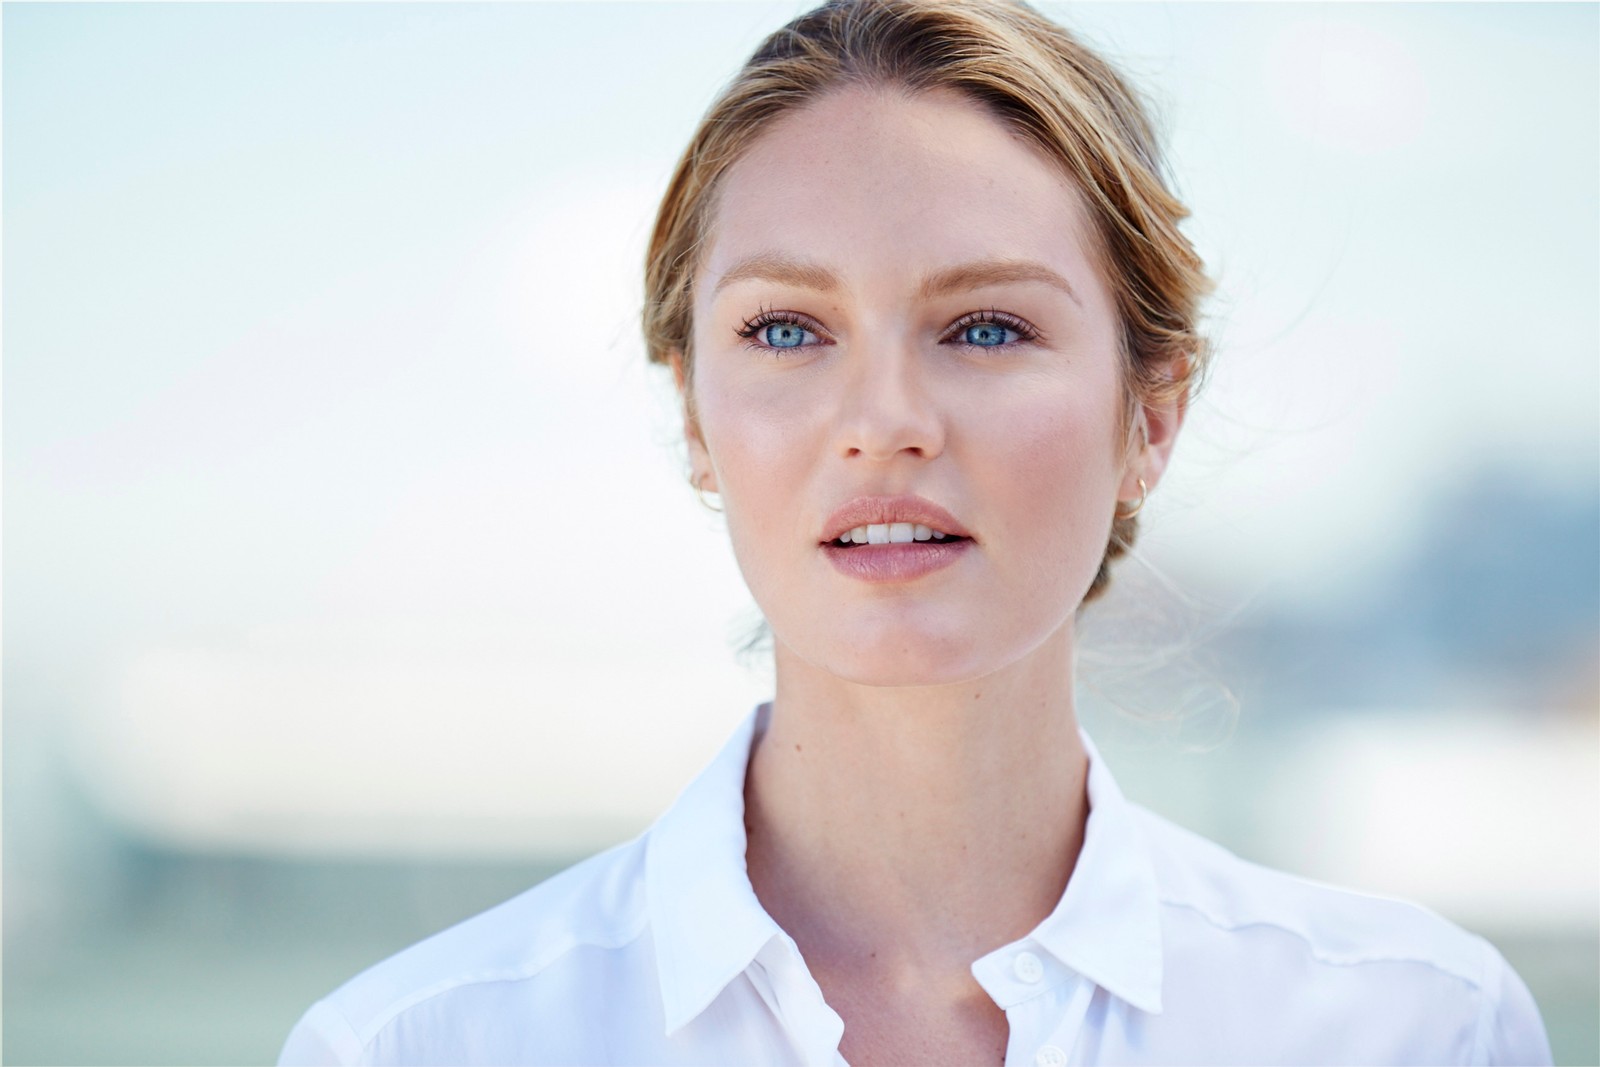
[{"x": 993, "y": 392}]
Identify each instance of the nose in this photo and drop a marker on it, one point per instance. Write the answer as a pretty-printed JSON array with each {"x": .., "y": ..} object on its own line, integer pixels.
[{"x": 888, "y": 407}]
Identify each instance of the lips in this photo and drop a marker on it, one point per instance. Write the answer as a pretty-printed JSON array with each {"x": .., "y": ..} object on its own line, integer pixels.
[
  {"x": 899, "y": 562},
  {"x": 873, "y": 510}
]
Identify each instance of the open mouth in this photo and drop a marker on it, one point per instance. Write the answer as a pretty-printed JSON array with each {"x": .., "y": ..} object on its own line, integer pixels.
[{"x": 942, "y": 539}]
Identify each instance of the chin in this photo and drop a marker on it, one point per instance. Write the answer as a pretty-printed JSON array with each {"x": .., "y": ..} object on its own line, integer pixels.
[{"x": 904, "y": 659}]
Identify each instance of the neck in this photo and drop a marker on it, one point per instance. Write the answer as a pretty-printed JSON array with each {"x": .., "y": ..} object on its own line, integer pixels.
[{"x": 907, "y": 831}]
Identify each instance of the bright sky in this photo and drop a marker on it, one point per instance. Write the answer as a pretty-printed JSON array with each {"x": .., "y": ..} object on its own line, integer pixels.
[{"x": 326, "y": 412}]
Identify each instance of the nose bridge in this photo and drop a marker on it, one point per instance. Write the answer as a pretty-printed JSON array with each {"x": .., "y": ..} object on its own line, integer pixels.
[{"x": 890, "y": 405}]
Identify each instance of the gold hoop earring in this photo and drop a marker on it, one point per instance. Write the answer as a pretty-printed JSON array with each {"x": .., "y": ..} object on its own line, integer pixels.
[
  {"x": 1137, "y": 507},
  {"x": 701, "y": 494}
]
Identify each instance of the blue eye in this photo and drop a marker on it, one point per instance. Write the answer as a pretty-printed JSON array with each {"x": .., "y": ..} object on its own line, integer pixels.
[
  {"x": 784, "y": 335},
  {"x": 777, "y": 331},
  {"x": 992, "y": 330},
  {"x": 987, "y": 334}
]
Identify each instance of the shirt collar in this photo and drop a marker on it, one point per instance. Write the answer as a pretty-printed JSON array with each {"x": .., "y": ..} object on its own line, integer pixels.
[
  {"x": 1107, "y": 925},
  {"x": 707, "y": 921},
  {"x": 708, "y": 924}
]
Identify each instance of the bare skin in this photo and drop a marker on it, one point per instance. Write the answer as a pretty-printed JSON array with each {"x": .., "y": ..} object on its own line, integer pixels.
[
  {"x": 918, "y": 799},
  {"x": 903, "y": 1001}
]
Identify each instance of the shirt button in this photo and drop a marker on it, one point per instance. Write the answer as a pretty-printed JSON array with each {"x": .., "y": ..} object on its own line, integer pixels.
[
  {"x": 1050, "y": 1056},
  {"x": 1028, "y": 968}
]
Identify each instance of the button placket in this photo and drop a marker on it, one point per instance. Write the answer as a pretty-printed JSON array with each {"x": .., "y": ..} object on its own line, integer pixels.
[
  {"x": 1027, "y": 967},
  {"x": 1050, "y": 1056},
  {"x": 1062, "y": 1038},
  {"x": 1034, "y": 989}
]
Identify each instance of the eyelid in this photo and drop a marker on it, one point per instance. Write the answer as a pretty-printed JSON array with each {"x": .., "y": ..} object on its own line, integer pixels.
[
  {"x": 1026, "y": 332},
  {"x": 767, "y": 316}
]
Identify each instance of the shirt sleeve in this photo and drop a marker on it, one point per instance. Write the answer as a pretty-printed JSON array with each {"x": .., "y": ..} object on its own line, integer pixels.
[
  {"x": 322, "y": 1038},
  {"x": 1510, "y": 1029}
]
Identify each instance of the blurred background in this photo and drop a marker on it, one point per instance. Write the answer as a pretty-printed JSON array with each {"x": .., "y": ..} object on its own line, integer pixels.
[{"x": 352, "y": 583}]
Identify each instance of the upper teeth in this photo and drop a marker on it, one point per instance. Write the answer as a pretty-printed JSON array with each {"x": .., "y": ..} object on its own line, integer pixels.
[{"x": 883, "y": 533}]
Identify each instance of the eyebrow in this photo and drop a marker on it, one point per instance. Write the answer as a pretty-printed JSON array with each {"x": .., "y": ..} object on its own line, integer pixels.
[{"x": 787, "y": 270}]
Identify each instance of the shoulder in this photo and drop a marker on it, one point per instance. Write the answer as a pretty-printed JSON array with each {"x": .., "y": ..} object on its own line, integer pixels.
[
  {"x": 1335, "y": 925},
  {"x": 1380, "y": 957},
  {"x": 508, "y": 950}
]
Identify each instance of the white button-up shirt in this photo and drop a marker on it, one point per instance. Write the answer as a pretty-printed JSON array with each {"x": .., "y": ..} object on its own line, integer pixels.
[{"x": 1164, "y": 948}]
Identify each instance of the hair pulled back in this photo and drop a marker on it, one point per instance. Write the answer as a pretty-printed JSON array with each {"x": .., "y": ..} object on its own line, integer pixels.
[{"x": 1032, "y": 75}]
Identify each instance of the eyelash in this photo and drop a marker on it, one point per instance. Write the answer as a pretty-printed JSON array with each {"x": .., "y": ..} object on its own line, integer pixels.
[{"x": 993, "y": 316}]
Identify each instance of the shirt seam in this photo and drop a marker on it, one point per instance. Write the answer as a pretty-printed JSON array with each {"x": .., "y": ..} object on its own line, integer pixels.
[
  {"x": 1318, "y": 954},
  {"x": 1489, "y": 997},
  {"x": 390, "y": 1014},
  {"x": 350, "y": 1032}
]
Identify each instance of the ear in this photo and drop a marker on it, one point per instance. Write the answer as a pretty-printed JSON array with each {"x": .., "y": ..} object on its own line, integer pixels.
[
  {"x": 1156, "y": 428},
  {"x": 700, "y": 469}
]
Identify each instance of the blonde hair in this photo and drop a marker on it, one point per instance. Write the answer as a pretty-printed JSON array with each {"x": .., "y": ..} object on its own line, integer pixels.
[{"x": 1037, "y": 79}]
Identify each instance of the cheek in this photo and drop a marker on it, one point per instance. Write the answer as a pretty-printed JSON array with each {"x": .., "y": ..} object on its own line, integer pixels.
[
  {"x": 751, "y": 435},
  {"x": 761, "y": 447},
  {"x": 1052, "y": 471}
]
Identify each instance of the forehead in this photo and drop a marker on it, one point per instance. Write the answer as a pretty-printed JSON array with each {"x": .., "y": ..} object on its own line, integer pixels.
[{"x": 881, "y": 187}]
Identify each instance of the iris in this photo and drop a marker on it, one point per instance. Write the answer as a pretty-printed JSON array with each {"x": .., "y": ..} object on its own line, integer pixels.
[
  {"x": 784, "y": 335},
  {"x": 987, "y": 334}
]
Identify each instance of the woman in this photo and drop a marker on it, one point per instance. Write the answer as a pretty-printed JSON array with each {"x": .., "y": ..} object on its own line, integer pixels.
[{"x": 921, "y": 287}]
